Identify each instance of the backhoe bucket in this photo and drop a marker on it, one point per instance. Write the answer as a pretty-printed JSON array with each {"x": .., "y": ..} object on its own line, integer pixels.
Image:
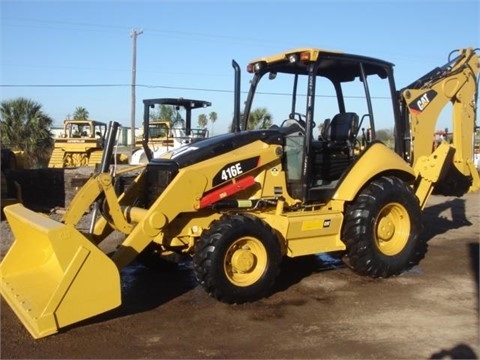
[{"x": 53, "y": 276}]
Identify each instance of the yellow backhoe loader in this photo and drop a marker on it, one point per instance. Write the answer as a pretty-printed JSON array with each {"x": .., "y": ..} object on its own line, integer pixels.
[{"x": 238, "y": 203}]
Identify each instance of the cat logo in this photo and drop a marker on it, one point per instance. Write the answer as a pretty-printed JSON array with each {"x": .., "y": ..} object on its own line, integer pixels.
[
  {"x": 316, "y": 224},
  {"x": 421, "y": 102}
]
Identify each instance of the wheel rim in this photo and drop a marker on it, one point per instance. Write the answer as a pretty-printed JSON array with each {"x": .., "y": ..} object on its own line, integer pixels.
[
  {"x": 245, "y": 261},
  {"x": 392, "y": 229}
]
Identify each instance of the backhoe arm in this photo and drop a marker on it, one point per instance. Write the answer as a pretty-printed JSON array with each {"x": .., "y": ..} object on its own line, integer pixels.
[{"x": 455, "y": 83}]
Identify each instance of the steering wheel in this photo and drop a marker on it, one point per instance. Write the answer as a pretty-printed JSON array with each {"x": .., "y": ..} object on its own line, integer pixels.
[
  {"x": 298, "y": 121},
  {"x": 300, "y": 117}
]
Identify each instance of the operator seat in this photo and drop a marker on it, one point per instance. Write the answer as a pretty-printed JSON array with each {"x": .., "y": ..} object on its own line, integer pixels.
[
  {"x": 332, "y": 155},
  {"x": 343, "y": 127}
]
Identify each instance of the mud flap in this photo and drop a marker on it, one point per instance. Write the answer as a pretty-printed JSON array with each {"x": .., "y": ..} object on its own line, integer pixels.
[{"x": 53, "y": 276}]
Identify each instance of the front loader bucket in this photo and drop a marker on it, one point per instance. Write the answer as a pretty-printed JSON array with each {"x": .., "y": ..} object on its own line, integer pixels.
[{"x": 53, "y": 276}]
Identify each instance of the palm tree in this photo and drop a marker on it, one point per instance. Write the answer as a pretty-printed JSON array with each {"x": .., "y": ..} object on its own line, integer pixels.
[
  {"x": 165, "y": 113},
  {"x": 259, "y": 118},
  {"x": 212, "y": 117},
  {"x": 202, "y": 120},
  {"x": 80, "y": 113},
  {"x": 25, "y": 127}
]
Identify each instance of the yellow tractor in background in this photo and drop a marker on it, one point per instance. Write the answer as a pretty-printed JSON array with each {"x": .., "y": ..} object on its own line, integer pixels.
[
  {"x": 239, "y": 203},
  {"x": 162, "y": 136},
  {"x": 80, "y": 144}
]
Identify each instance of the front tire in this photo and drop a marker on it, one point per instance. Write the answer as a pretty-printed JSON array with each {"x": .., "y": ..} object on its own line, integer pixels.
[
  {"x": 382, "y": 229},
  {"x": 237, "y": 260}
]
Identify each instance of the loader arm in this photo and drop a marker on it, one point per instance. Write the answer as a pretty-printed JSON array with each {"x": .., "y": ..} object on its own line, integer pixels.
[
  {"x": 82, "y": 201},
  {"x": 88, "y": 194},
  {"x": 102, "y": 227},
  {"x": 100, "y": 184},
  {"x": 149, "y": 223}
]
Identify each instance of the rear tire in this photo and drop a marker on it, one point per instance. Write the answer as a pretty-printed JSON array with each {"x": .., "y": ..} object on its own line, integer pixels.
[
  {"x": 382, "y": 229},
  {"x": 237, "y": 260}
]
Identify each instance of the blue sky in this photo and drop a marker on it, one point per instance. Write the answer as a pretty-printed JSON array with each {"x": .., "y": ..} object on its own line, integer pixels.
[{"x": 187, "y": 47}]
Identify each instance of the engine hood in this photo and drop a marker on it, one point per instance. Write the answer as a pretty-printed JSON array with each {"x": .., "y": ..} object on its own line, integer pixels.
[{"x": 218, "y": 145}]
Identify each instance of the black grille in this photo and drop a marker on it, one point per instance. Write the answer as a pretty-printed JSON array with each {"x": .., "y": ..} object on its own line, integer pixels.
[{"x": 159, "y": 175}]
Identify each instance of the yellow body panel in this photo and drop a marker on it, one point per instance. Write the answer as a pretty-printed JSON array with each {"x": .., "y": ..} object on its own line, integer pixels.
[
  {"x": 306, "y": 233},
  {"x": 376, "y": 160}
]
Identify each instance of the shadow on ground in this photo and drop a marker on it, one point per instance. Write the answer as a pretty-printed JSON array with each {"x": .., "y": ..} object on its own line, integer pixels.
[{"x": 440, "y": 224}]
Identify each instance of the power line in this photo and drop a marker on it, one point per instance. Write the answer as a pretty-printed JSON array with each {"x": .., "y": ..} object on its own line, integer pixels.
[
  {"x": 170, "y": 33},
  {"x": 64, "y": 85},
  {"x": 183, "y": 88},
  {"x": 112, "y": 85}
]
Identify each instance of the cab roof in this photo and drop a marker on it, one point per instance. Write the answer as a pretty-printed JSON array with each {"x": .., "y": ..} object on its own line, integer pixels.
[
  {"x": 84, "y": 122},
  {"x": 332, "y": 64},
  {"x": 186, "y": 103}
]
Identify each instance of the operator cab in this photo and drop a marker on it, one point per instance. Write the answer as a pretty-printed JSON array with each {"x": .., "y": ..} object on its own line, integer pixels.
[{"x": 319, "y": 83}]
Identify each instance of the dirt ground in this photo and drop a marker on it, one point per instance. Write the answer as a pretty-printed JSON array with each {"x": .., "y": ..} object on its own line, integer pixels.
[{"x": 318, "y": 309}]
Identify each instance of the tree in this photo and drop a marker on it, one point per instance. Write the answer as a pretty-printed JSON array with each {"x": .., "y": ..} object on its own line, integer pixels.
[
  {"x": 202, "y": 120},
  {"x": 80, "y": 113},
  {"x": 165, "y": 113},
  {"x": 212, "y": 117},
  {"x": 25, "y": 127},
  {"x": 259, "y": 118},
  {"x": 386, "y": 136}
]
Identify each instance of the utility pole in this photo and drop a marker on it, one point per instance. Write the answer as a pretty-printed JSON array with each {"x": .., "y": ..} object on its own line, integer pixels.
[{"x": 133, "y": 34}]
